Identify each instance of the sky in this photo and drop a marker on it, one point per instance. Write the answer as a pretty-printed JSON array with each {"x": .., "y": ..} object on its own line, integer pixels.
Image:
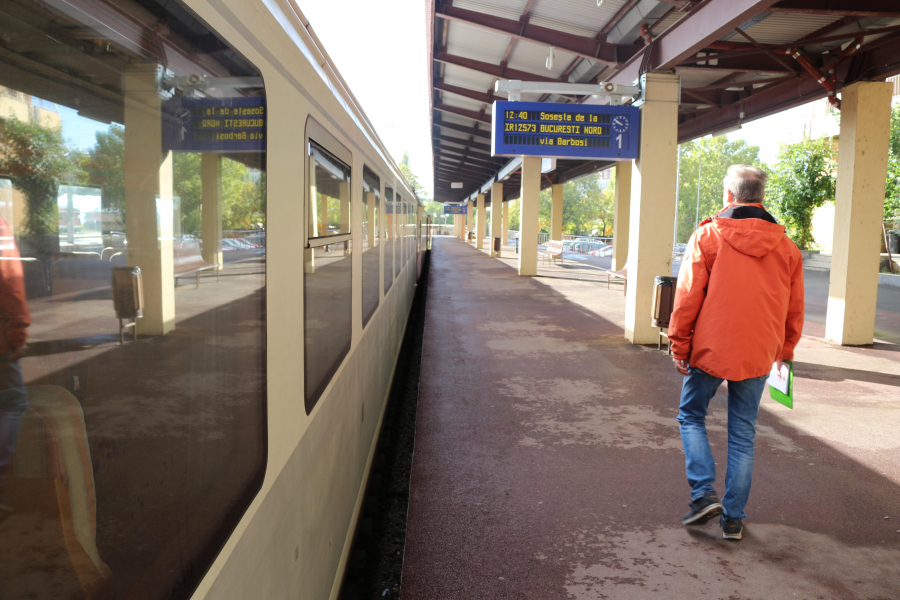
[{"x": 379, "y": 48}]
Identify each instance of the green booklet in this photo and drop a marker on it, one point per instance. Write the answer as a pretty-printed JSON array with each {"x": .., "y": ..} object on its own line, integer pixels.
[{"x": 781, "y": 384}]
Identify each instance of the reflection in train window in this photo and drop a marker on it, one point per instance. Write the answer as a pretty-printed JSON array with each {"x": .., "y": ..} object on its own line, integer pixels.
[
  {"x": 327, "y": 280},
  {"x": 389, "y": 239},
  {"x": 370, "y": 259},
  {"x": 398, "y": 230},
  {"x": 132, "y": 423}
]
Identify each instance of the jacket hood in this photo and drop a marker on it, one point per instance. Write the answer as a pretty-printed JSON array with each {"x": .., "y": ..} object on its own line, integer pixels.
[{"x": 754, "y": 237}]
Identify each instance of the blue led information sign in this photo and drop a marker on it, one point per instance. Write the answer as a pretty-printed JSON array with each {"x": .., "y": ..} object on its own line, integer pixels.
[
  {"x": 455, "y": 209},
  {"x": 573, "y": 131},
  {"x": 215, "y": 124}
]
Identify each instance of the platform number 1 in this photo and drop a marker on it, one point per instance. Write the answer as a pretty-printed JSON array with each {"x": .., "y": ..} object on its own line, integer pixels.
[{"x": 619, "y": 139}]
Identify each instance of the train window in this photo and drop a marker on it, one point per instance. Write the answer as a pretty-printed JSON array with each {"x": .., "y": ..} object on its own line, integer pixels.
[
  {"x": 327, "y": 281},
  {"x": 371, "y": 262},
  {"x": 133, "y": 422},
  {"x": 388, "y": 238}
]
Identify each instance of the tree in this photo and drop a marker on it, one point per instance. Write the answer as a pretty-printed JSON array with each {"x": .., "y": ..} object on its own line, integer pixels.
[
  {"x": 105, "y": 167},
  {"x": 892, "y": 185},
  {"x": 704, "y": 164},
  {"x": 802, "y": 180},
  {"x": 37, "y": 160},
  {"x": 411, "y": 179}
]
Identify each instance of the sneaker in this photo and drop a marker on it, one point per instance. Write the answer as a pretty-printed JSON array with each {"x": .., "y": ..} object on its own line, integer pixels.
[
  {"x": 702, "y": 510},
  {"x": 732, "y": 529}
]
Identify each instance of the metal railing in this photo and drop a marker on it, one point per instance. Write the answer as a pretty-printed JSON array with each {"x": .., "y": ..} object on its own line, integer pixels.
[{"x": 574, "y": 243}]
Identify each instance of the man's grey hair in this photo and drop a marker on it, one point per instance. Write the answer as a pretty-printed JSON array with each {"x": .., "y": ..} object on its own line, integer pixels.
[{"x": 746, "y": 183}]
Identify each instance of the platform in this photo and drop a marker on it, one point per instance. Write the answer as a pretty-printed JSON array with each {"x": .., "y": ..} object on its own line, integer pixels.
[{"x": 548, "y": 462}]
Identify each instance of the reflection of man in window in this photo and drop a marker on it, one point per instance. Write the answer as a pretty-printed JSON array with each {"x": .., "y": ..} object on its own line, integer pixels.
[{"x": 14, "y": 322}]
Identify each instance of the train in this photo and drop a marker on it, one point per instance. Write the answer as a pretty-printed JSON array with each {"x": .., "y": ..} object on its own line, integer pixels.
[{"x": 220, "y": 446}]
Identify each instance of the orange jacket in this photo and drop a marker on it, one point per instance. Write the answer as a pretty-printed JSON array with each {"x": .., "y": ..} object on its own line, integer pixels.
[
  {"x": 739, "y": 300},
  {"x": 14, "y": 315}
]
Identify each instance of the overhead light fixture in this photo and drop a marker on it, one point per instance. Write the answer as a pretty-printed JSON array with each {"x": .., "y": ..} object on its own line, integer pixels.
[
  {"x": 599, "y": 3},
  {"x": 550, "y": 60},
  {"x": 456, "y": 185}
]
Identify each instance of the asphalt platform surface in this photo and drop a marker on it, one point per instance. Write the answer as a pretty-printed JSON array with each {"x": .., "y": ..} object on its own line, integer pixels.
[{"x": 548, "y": 462}]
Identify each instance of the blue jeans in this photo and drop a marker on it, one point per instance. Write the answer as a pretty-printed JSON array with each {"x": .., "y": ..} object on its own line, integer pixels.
[
  {"x": 743, "y": 408},
  {"x": 13, "y": 402}
]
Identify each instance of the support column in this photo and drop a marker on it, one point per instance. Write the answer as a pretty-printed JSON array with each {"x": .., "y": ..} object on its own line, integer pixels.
[
  {"x": 470, "y": 219},
  {"x": 309, "y": 254},
  {"x": 556, "y": 212},
  {"x": 529, "y": 215},
  {"x": 505, "y": 233},
  {"x": 496, "y": 219},
  {"x": 211, "y": 207},
  {"x": 371, "y": 227},
  {"x": 481, "y": 225},
  {"x": 621, "y": 213},
  {"x": 858, "y": 207},
  {"x": 344, "y": 191},
  {"x": 149, "y": 198},
  {"x": 323, "y": 214},
  {"x": 652, "y": 213}
]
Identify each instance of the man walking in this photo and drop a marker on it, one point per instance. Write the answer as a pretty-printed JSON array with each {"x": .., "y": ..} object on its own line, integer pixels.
[
  {"x": 14, "y": 321},
  {"x": 738, "y": 309}
]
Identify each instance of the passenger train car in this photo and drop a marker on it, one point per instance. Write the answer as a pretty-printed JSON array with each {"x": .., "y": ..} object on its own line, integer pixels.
[{"x": 196, "y": 409}]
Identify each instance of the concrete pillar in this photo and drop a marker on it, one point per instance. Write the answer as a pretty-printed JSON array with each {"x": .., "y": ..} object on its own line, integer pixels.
[
  {"x": 211, "y": 207},
  {"x": 496, "y": 219},
  {"x": 505, "y": 233},
  {"x": 371, "y": 226},
  {"x": 149, "y": 198},
  {"x": 529, "y": 215},
  {"x": 621, "y": 213},
  {"x": 556, "y": 212},
  {"x": 859, "y": 202},
  {"x": 470, "y": 219},
  {"x": 457, "y": 226},
  {"x": 481, "y": 224},
  {"x": 323, "y": 214},
  {"x": 344, "y": 191},
  {"x": 312, "y": 229},
  {"x": 652, "y": 217}
]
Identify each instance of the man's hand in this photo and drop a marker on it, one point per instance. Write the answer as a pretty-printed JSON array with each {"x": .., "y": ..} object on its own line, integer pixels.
[
  {"x": 681, "y": 365},
  {"x": 779, "y": 364}
]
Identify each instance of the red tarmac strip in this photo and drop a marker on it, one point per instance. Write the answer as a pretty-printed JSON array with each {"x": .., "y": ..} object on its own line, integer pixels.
[{"x": 548, "y": 462}]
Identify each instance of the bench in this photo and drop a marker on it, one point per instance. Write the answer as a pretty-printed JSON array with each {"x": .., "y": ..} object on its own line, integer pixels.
[
  {"x": 553, "y": 251},
  {"x": 187, "y": 260},
  {"x": 621, "y": 274}
]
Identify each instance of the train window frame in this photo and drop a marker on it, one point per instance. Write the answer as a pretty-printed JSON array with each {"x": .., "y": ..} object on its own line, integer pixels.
[{"x": 318, "y": 136}]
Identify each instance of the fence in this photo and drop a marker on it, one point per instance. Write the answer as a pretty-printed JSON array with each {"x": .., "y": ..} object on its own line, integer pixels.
[{"x": 576, "y": 243}]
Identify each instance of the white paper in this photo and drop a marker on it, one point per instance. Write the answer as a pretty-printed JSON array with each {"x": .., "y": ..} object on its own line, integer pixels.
[{"x": 779, "y": 379}]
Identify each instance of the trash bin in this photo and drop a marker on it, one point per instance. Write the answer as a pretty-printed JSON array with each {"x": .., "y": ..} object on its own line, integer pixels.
[
  {"x": 128, "y": 297},
  {"x": 663, "y": 300},
  {"x": 893, "y": 241},
  {"x": 496, "y": 244}
]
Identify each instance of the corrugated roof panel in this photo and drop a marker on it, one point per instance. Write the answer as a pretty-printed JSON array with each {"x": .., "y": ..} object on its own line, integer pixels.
[
  {"x": 467, "y": 78},
  {"x": 581, "y": 17},
  {"x": 530, "y": 57},
  {"x": 449, "y": 118},
  {"x": 691, "y": 78},
  {"x": 667, "y": 21},
  {"x": 781, "y": 28},
  {"x": 460, "y": 102},
  {"x": 476, "y": 43},
  {"x": 508, "y": 9}
]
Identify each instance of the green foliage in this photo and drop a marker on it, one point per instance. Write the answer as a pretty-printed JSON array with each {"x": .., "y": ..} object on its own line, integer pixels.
[
  {"x": 801, "y": 181},
  {"x": 105, "y": 166},
  {"x": 37, "y": 161},
  {"x": 704, "y": 164},
  {"x": 243, "y": 196},
  {"x": 892, "y": 185},
  {"x": 411, "y": 179}
]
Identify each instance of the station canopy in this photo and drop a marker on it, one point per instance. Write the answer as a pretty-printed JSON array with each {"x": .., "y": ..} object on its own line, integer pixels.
[{"x": 739, "y": 60}]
